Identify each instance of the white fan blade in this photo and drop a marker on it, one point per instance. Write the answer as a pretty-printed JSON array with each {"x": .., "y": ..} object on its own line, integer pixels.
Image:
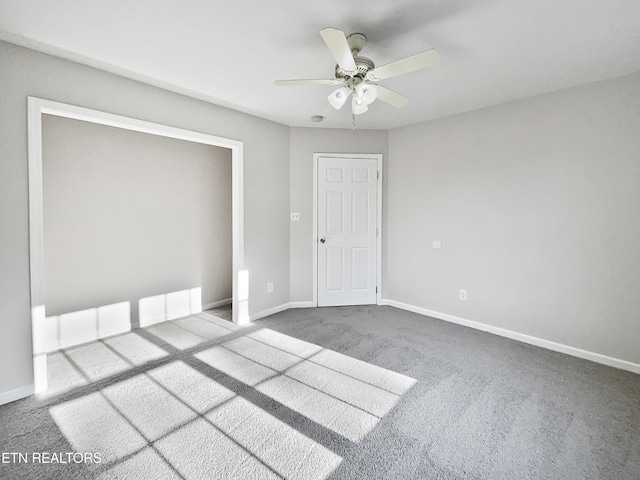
[
  {"x": 428, "y": 58},
  {"x": 391, "y": 97},
  {"x": 312, "y": 81},
  {"x": 339, "y": 47}
]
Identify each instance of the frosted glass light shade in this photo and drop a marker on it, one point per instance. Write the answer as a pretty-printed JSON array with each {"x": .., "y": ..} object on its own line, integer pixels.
[
  {"x": 358, "y": 105},
  {"x": 338, "y": 97},
  {"x": 367, "y": 92}
]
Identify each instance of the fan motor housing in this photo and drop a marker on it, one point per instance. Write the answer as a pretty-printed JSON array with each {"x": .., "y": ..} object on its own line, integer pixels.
[
  {"x": 356, "y": 43},
  {"x": 363, "y": 65}
]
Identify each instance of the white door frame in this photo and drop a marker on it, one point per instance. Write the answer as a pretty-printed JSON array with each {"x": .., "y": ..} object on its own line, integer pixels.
[
  {"x": 36, "y": 108},
  {"x": 373, "y": 156}
]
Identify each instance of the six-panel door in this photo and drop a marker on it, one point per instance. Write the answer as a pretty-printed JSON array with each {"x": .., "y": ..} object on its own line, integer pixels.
[{"x": 347, "y": 216}]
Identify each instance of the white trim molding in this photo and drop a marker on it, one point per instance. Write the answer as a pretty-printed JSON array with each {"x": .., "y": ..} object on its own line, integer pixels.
[
  {"x": 36, "y": 108},
  {"x": 301, "y": 304},
  {"x": 16, "y": 394},
  {"x": 219, "y": 303},
  {"x": 521, "y": 337},
  {"x": 281, "y": 308},
  {"x": 270, "y": 311}
]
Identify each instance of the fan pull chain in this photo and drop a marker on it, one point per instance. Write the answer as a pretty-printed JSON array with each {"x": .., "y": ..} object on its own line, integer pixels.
[{"x": 353, "y": 121}]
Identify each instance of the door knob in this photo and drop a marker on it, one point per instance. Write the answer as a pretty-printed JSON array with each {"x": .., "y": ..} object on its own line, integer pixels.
[{"x": 322, "y": 240}]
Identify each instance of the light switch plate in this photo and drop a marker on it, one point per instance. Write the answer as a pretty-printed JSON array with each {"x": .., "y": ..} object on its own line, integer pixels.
[{"x": 437, "y": 244}]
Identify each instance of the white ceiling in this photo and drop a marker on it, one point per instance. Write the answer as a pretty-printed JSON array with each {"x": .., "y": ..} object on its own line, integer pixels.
[{"x": 230, "y": 52}]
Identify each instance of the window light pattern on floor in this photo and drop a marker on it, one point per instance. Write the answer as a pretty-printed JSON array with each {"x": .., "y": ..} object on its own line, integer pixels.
[{"x": 186, "y": 399}]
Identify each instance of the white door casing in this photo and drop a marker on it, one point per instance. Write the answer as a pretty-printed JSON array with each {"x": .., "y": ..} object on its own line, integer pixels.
[
  {"x": 347, "y": 230},
  {"x": 36, "y": 108}
]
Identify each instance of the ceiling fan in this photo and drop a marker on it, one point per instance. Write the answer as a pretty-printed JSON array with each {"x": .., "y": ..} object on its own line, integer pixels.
[{"x": 358, "y": 76}]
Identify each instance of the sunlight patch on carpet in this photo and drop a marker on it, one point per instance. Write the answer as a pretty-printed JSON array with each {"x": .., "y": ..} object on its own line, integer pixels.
[{"x": 179, "y": 417}]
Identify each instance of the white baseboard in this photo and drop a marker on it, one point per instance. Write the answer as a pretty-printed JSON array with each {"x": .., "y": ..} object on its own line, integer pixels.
[
  {"x": 16, "y": 394},
  {"x": 302, "y": 305},
  {"x": 521, "y": 337},
  {"x": 269, "y": 311},
  {"x": 148, "y": 321},
  {"x": 219, "y": 303},
  {"x": 280, "y": 308},
  {"x": 68, "y": 342}
]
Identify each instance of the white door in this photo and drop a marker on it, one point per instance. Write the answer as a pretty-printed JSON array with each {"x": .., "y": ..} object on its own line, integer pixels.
[{"x": 347, "y": 229}]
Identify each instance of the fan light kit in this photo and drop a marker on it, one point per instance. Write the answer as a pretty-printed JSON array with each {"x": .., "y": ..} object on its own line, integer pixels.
[{"x": 357, "y": 76}]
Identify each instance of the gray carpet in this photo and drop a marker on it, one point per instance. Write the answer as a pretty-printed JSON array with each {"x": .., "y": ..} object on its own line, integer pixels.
[{"x": 341, "y": 393}]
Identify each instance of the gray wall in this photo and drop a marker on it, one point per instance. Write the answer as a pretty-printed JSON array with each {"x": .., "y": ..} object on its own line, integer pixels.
[
  {"x": 537, "y": 205},
  {"x": 266, "y": 180},
  {"x": 128, "y": 216},
  {"x": 304, "y": 143},
  {"x": 535, "y": 202}
]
